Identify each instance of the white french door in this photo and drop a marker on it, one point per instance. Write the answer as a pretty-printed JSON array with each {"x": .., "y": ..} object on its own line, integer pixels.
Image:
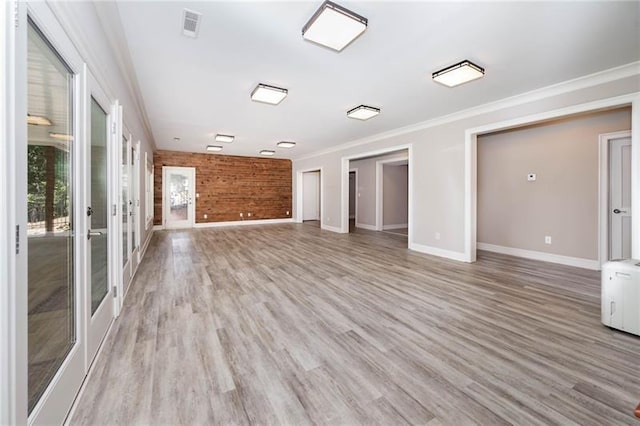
[
  {"x": 620, "y": 198},
  {"x": 178, "y": 195},
  {"x": 99, "y": 295}
]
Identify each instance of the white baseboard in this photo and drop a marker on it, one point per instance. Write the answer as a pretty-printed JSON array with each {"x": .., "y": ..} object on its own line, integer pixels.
[
  {"x": 331, "y": 228},
  {"x": 243, "y": 223},
  {"x": 545, "y": 257},
  {"x": 435, "y": 251},
  {"x": 158, "y": 227},
  {"x": 395, "y": 226},
  {"x": 365, "y": 226}
]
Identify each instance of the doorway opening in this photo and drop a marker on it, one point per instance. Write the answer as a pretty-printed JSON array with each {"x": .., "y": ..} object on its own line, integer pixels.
[
  {"x": 312, "y": 198},
  {"x": 539, "y": 188},
  {"x": 378, "y": 192}
]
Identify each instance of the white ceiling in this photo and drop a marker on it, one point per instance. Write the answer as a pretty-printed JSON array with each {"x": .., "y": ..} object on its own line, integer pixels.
[{"x": 195, "y": 88}]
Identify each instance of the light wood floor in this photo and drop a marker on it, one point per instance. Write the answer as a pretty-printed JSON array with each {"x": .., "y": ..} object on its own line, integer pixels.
[{"x": 289, "y": 324}]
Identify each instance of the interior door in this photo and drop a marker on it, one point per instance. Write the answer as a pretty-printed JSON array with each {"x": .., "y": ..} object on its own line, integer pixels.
[
  {"x": 179, "y": 196},
  {"x": 620, "y": 198},
  {"x": 134, "y": 204},
  {"x": 311, "y": 196},
  {"x": 99, "y": 298},
  {"x": 125, "y": 209}
]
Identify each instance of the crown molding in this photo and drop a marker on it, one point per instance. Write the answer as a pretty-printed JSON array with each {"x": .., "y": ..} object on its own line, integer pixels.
[{"x": 591, "y": 80}]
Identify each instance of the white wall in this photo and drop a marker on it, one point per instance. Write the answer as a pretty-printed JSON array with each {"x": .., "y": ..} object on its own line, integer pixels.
[
  {"x": 395, "y": 200},
  {"x": 438, "y": 156}
]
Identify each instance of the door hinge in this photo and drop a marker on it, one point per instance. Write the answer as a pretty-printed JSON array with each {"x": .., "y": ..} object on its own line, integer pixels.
[
  {"x": 16, "y": 15},
  {"x": 17, "y": 239},
  {"x": 114, "y": 210},
  {"x": 113, "y": 128},
  {"x": 115, "y": 291}
]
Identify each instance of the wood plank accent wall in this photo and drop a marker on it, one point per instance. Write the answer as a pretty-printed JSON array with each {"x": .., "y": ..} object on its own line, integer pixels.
[{"x": 229, "y": 185}]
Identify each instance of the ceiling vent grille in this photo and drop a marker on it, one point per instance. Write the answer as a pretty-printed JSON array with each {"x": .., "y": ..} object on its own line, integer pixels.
[{"x": 190, "y": 23}]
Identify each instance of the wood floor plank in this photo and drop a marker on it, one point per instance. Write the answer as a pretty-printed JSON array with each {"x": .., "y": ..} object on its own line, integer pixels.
[{"x": 290, "y": 324}]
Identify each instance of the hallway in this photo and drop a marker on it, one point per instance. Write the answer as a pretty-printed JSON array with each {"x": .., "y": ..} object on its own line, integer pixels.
[{"x": 291, "y": 324}]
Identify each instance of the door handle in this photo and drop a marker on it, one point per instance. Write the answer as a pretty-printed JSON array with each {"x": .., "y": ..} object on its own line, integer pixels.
[
  {"x": 92, "y": 234},
  {"x": 618, "y": 211}
]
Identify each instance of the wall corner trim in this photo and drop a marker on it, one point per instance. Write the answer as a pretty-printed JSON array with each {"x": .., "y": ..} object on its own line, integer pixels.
[
  {"x": 435, "y": 251},
  {"x": 365, "y": 226},
  {"x": 332, "y": 229},
  {"x": 541, "y": 256}
]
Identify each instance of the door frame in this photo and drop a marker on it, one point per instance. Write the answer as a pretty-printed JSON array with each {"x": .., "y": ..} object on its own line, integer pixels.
[
  {"x": 105, "y": 313},
  {"x": 471, "y": 163},
  {"x": 300, "y": 194},
  {"x": 55, "y": 402},
  {"x": 191, "y": 209},
  {"x": 134, "y": 196},
  {"x": 126, "y": 269},
  {"x": 380, "y": 187},
  {"x": 604, "y": 141}
]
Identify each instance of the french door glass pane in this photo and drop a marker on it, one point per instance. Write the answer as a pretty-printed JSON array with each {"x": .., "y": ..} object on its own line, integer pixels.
[
  {"x": 100, "y": 216},
  {"x": 125, "y": 202},
  {"x": 134, "y": 192},
  {"x": 51, "y": 304},
  {"x": 179, "y": 196}
]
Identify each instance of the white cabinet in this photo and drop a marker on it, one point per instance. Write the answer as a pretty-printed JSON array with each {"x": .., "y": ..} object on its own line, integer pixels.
[{"x": 621, "y": 295}]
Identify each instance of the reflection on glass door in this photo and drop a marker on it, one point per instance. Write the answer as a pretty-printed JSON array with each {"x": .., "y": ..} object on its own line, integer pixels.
[
  {"x": 125, "y": 201},
  {"x": 50, "y": 224},
  {"x": 179, "y": 190},
  {"x": 99, "y": 210}
]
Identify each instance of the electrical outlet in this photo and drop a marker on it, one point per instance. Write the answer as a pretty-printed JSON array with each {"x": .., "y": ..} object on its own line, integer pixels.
[
  {"x": 437, "y": 235},
  {"x": 241, "y": 215},
  {"x": 287, "y": 212},
  {"x": 206, "y": 216},
  {"x": 248, "y": 214},
  {"x": 547, "y": 239}
]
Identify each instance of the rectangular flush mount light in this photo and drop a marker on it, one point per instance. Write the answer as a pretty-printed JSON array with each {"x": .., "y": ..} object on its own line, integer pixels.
[
  {"x": 459, "y": 73},
  {"x": 363, "y": 112},
  {"x": 224, "y": 138},
  {"x": 268, "y": 94},
  {"x": 334, "y": 26},
  {"x": 268, "y": 152},
  {"x": 285, "y": 144},
  {"x": 214, "y": 148}
]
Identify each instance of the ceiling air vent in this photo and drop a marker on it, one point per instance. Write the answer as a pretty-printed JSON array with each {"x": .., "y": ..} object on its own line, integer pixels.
[{"x": 190, "y": 23}]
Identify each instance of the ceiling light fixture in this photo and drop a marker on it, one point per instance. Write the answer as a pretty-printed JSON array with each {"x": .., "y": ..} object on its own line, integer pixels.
[
  {"x": 462, "y": 72},
  {"x": 268, "y": 152},
  {"x": 285, "y": 144},
  {"x": 224, "y": 138},
  {"x": 363, "y": 112},
  {"x": 37, "y": 120},
  {"x": 334, "y": 26},
  {"x": 214, "y": 148},
  {"x": 61, "y": 136},
  {"x": 268, "y": 94}
]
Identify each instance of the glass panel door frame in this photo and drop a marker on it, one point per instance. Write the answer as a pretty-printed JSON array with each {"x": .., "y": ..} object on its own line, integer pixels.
[
  {"x": 124, "y": 204},
  {"x": 56, "y": 400},
  {"x": 166, "y": 202},
  {"x": 98, "y": 322}
]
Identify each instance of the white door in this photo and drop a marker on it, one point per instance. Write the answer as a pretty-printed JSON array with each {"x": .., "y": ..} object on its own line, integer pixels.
[
  {"x": 134, "y": 204},
  {"x": 178, "y": 198},
  {"x": 620, "y": 198},
  {"x": 99, "y": 297},
  {"x": 311, "y": 196},
  {"x": 51, "y": 214},
  {"x": 125, "y": 209}
]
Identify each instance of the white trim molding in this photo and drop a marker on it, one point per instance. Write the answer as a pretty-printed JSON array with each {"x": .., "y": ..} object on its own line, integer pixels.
[
  {"x": 395, "y": 226},
  {"x": 542, "y": 256},
  {"x": 435, "y": 251},
  {"x": 591, "y": 80},
  {"x": 366, "y": 226},
  {"x": 243, "y": 223},
  {"x": 332, "y": 229},
  {"x": 471, "y": 161}
]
